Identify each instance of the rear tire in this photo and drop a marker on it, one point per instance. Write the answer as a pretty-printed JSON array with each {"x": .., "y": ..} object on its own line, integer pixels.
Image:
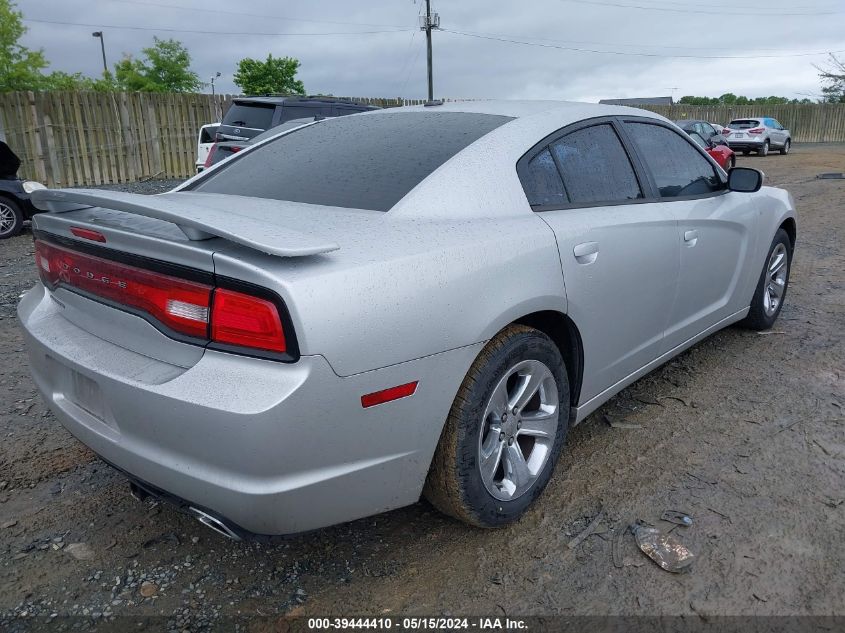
[
  {"x": 771, "y": 288},
  {"x": 11, "y": 218},
  {"x": 731, "y": 162},
  {"x": 505, "y": 431},
  {"x": 764, "y": 151},
  {"x": 786, "y": 147}
]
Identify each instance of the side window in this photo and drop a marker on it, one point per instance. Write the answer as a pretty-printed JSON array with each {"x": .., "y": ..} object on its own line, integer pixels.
[
  {"x": 541, "y": 181},
  {"x": 699, "y": 140},
  {"x": 595, "y": 166},
  {"x": 709, "y": 130},
  {"x": 678, "y": 169}
]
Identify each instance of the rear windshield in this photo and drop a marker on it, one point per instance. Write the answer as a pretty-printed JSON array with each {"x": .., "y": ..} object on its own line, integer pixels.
[
  {"x": 250, "y": 115},
  {"x": 358, "y": 162},
  {"x": 744, "y": 124}
]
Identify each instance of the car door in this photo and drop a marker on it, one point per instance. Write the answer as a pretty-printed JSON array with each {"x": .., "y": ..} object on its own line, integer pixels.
[
  {"x": 715, "y": 229},
  {"x": 778, "y": 133},
  {"x": 618, "y": 251}
]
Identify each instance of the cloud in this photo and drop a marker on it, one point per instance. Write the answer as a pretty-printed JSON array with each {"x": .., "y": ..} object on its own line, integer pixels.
[{"x": 393, "y": 63}]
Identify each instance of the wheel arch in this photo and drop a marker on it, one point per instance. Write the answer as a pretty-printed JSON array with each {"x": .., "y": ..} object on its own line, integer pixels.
[
  {"x": 565, "y": 334},
  {"x": 791, "y": 229}
]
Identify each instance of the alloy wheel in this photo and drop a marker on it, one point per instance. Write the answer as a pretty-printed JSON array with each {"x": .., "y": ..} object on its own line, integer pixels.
[
  {"x": 518, "y": 429},
  {"x": 8, "y": 219},
  {"x": 777, "y": 272}
]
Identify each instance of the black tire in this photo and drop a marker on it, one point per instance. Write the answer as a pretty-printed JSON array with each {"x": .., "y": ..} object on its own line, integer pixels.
[
  {"x": 786, "y": 147},
  {"x": 758, "y": 318},
  {"x": 454, "y": 484},
  {"x": 11, "y": 218},
  {"x": 764, "y": 151},
  {"x": 731, "y": 162}
]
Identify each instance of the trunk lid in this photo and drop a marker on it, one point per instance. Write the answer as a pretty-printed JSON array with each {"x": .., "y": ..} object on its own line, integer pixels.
[{"x": 176, "y": 234}]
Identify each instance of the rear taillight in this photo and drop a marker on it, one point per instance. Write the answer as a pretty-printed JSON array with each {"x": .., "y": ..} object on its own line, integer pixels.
[
  {"x": 200, "y": 311},
  {"x": 208, "y": 159},
  {"x": 177, "y": 304},
  {"x": 757, "y": 130},
  {"x": 246, "y": 321}
]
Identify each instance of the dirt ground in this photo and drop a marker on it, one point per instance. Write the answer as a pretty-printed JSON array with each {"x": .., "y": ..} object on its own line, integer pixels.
[{"x": 745, "y": 432}]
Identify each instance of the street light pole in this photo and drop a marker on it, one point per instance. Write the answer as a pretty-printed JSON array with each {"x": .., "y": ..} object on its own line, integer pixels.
[
  {"x": 103, "y": 49},
  {"x": 213, "y": 99}
]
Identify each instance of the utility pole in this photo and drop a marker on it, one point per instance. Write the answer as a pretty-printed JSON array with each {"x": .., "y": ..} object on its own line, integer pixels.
[
  {"x": 428, "y": 22},
  {"x": 103, "y": 49}
]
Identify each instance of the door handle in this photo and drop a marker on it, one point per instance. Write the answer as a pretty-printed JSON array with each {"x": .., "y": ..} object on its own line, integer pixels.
[
  {"x": 691, "y": 237},
  {"x": 586, "y": 253}
]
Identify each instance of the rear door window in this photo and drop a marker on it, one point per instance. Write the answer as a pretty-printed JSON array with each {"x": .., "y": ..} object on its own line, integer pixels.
[
  {"x": 677, "y": 167},
  {"x": 357, "y": 162},
  {"x": 542, "y": 183},
  {"x": 595, "y": 166},
  {"x": 253, "y": 115},
  {"x": 290, "y": 112}
]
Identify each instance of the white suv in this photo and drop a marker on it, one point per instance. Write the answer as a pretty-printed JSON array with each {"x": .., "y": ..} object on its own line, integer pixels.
[{"x": 759, "y": 134}]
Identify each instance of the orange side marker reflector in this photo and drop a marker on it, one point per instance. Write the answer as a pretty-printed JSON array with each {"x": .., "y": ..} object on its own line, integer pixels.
[{"x": 386, "y": 395}]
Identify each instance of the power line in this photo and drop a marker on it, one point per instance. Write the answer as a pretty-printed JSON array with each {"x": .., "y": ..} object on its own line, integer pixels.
[
  {"x": 593, "y": 43},
  {"x": 253, "y": 15},
  {"x": 147, "y": 28},
  {"x": 630, "y": 53},
  {"x": 761, "y": 13}
]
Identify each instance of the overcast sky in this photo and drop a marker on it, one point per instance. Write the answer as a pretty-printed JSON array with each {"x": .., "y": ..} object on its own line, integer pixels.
[{"x": 376, "y": 49}]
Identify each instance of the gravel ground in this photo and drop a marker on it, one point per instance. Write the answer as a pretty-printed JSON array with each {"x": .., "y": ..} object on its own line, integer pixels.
[{"x": 744, "y": 432}]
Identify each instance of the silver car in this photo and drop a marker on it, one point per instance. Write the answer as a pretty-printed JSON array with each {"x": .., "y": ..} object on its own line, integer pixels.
[
  {"x": 413, "y": 301},
  {"x": 758, "y": 134}
]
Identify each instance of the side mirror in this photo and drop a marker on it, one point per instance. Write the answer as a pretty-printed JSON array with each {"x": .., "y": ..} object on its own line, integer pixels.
[{"x": 745, "y": 179}]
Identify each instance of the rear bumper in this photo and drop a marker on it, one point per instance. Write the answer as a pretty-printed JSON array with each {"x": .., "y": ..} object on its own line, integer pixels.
[
  {"x": 274, "y": 448},
  {"x": 746, "y": 144}
]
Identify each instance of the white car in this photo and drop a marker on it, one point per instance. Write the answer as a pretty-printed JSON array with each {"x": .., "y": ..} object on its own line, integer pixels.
[
  {"x": 757, "y": 134},
  {"x": 204, "y": 142}
]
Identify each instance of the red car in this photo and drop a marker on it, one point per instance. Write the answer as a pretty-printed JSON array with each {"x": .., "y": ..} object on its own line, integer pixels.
[{"x": 723, "y": 154}]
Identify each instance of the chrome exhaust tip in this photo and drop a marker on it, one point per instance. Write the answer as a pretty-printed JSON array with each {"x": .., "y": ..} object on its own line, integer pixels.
[{"x": 214, "y": 523}]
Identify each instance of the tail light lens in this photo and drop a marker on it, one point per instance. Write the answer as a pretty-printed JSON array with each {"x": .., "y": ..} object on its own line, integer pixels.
[
  {"x": 197, "y": 310},
  {"x": 208, "y": 159},
  {"x": 179, "y": 305},
  {"x": 757, "y": 130},
  {"x": 246, "y": 321}
]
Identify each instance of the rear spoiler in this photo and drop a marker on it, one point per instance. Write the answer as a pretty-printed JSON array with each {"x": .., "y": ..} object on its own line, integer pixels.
[{"x": 196, "y": 222}]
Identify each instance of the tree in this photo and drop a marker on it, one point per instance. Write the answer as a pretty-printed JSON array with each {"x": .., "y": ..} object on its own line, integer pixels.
[
  {"x": 833, "y": 80},
  {"x": 166, "y": 67},
  {"x": 20, "y": 68},
  {"x": 275, "y": 75}
]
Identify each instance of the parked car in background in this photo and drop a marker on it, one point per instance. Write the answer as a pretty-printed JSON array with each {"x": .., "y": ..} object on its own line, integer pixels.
[
  {"x": 250, "y": 116},
  {"x": 706, "y": 130},
  {"x": 417, "y": 301},
  {"x": 758, "y": 134},
  {"x": 722, "y": 154},
  {"x": 204, "y": 143},
  {"x": 222, "y": 150},
  {"x": 15, "y": 203}
]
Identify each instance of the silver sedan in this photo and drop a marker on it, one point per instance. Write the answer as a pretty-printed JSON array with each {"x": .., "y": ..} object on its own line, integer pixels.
[{"x": 407, "y": 302}]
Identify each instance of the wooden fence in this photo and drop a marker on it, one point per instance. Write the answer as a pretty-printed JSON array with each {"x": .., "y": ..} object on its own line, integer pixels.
[
  {"x": 68, "y": 139},
  {"x": 808, "y": 123}
]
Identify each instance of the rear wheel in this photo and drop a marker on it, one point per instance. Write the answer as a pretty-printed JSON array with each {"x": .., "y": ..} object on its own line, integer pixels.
[
  {"x": 731, "y": 162},
  {"x": 764, "y": 151},
  {"x": 505, "y": 431},
  {"x": 786, "y": 147},
  {"x": 11, "y": 219},
  {"x": 771, "y": 288}
]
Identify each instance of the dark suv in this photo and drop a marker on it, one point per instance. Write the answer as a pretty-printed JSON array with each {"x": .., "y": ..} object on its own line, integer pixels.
[{"x": 250, "y": 116}]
